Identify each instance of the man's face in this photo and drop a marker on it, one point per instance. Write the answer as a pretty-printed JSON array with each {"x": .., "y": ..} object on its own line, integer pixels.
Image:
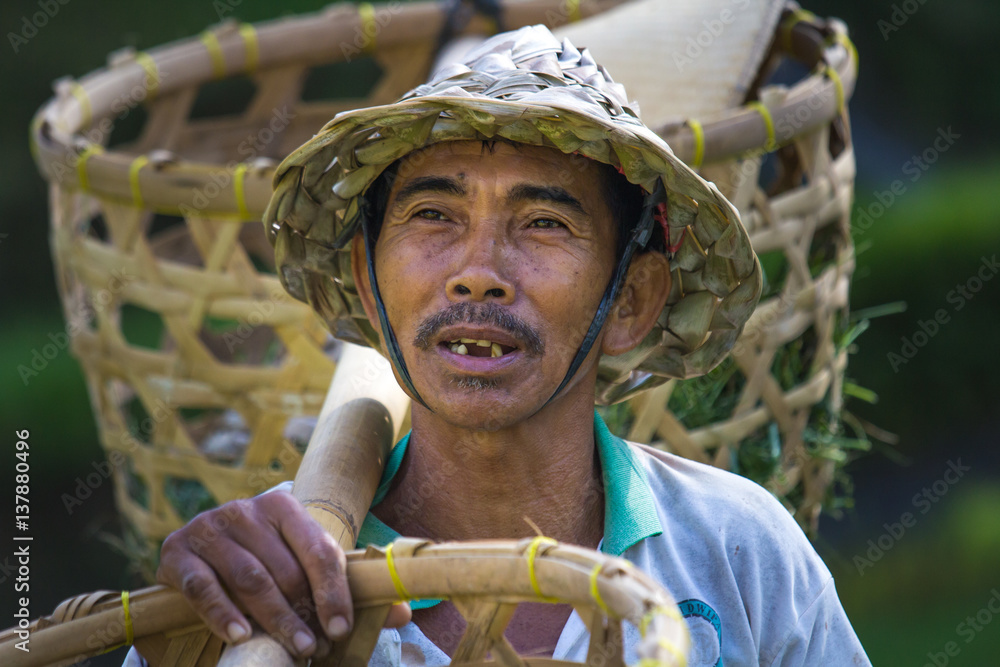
[{"x": 510, "y": 246}]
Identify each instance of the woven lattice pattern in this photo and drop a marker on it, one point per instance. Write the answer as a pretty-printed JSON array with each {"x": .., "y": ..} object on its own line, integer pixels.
[
  {"x": 202, "y": 371},
  {"x": 204, "y": 374},
  {"x": 772, "y": 411}
]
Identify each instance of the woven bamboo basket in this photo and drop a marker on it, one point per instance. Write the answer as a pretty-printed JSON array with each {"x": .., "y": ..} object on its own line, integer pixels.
[{"x": 206, "y": 377}]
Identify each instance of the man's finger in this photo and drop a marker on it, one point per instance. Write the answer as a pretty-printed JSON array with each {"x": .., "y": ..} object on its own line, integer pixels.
[
  {"x": 326, "y": 569},
  {"x": 203, "y": 591},
  {"x": 252, "y": 585},
  {"x": 264, "y": 542}
]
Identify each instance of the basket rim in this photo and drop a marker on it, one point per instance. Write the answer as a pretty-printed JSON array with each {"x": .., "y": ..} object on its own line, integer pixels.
[{"x": 66, "y": 157}]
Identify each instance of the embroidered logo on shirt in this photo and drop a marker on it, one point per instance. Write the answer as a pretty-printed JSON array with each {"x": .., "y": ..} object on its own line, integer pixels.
[{"x": 706, "y": 633}]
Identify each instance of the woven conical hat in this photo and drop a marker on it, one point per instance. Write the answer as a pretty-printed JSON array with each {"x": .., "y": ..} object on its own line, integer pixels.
[
  {"x": 681, "y": 58},
  {"x": 527, "y": 87}
]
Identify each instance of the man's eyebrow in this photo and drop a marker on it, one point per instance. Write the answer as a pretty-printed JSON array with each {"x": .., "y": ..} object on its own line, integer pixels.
[
  {"x": 422, "y": 184},
  {"x": 549, "y": 193}
]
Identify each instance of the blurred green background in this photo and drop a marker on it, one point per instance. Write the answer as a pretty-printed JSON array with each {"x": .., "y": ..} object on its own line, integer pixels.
[{"x": 910, "y": 590}]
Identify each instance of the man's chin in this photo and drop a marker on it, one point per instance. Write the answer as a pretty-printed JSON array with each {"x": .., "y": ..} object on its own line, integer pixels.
[{"x": 480, "y": 404}]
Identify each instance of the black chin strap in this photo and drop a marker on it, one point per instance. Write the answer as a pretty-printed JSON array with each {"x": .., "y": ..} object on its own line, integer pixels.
[
  {"x": 395, "y": 354},
  {"x": 640, "y": 237}
]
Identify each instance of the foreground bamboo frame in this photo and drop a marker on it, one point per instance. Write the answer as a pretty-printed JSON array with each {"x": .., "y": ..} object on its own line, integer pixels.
[{"x": 484, "y": 580}]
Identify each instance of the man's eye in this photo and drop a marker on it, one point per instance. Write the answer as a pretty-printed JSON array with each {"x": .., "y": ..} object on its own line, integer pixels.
[
  {"x": 545, "y": 223},
  {"x": 431, "y": 214}
]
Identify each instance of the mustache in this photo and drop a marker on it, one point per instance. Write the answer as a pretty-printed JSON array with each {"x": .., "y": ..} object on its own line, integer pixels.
[{"x": 472, "y": 313}]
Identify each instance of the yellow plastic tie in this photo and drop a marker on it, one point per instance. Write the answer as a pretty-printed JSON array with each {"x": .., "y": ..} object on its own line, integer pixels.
[
  {"x": 670, "y": 648},
  {"x": 133, "y": 179},
  {"x": 849, "y": 45},
  {"x": 669, "y": 612},
  {"x": 396, "y": 581},
  {"x": 595, "y": 592},
  {"x": 81, "y": 165},
  {"x": 366, "y": 12},
  {"x": 573, "y": 10},
  {"x": 129, "y": 633},
  {"x": 532, "y": 552},
  {"x": 214, "y": 49},
  {"x": 84, "y": 99},
  {"x": 249, "y": 35},
  {"x": 239, "y": 188},
  {"x": 845, "y": 41},
  {"x": 796, "y": 17},
  {"x": 147, "y": 63},
  {"x": 765, "y": 113},
  {"x": 838, "y": 86},
  {"x": 699, "y": 142}
]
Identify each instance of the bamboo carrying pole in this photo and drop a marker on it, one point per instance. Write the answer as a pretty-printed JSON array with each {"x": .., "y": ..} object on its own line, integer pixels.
[{"x": 341, "y": 468}]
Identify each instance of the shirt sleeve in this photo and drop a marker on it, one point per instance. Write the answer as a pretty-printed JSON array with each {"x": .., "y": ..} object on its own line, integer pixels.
[{"x": 822, "y": 636}]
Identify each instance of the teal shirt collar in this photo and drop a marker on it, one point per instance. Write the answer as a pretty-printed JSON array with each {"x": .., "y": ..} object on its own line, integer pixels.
[{"x": 629, "y": 509}]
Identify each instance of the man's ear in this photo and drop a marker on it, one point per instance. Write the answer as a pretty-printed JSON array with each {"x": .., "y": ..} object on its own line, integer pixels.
[
  {"x": 639, "y": 304},
  {"x": 359, "y": 270}
]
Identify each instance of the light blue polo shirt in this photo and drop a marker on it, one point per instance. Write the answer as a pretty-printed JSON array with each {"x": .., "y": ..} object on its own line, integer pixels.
[{"x": 750, "y": 586}]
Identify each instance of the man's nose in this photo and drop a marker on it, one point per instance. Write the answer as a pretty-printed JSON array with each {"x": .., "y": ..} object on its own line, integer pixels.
[{"x": 482, "y": 271}]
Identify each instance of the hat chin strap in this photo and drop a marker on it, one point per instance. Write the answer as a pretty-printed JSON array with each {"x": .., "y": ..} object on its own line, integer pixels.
[
  {"x": 640, "y": 237},
  {"x": 395, "y": 354}
]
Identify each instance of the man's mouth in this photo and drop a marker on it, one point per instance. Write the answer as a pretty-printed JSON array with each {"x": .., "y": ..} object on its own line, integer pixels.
[{"x": 478, "y": 347}]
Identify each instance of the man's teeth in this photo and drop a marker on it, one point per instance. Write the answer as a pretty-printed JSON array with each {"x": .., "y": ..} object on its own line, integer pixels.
[{"x": 459, "y": 346}]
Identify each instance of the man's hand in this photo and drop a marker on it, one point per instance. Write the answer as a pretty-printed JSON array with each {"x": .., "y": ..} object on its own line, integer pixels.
[{"x": 276, "y": 562}]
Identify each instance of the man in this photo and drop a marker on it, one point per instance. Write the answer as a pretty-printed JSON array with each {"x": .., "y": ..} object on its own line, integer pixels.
[{"x": 515, "y": 241}]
